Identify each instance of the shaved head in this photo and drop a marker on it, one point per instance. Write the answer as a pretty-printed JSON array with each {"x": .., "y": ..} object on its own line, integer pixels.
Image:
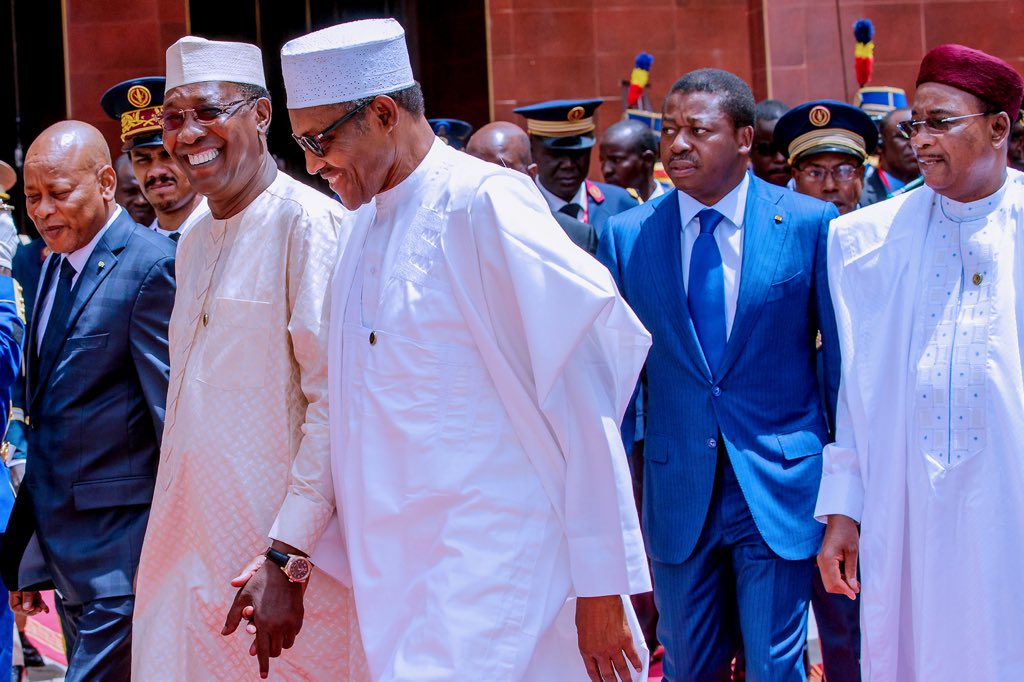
[
  {"x": 69, "y": 185},
  {"x": 74, "y": 141},
  {"x": 505, "y": 144}
]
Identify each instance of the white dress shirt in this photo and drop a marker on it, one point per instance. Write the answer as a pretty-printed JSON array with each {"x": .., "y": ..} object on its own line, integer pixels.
[
  {"x": 78, "y": 259},
  {"x": 201, "y": 209},
  {"x": 728, "y": 236}
]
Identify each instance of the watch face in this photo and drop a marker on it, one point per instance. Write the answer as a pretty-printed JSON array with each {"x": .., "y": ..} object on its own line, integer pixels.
[{"x": 299, "y": 569}]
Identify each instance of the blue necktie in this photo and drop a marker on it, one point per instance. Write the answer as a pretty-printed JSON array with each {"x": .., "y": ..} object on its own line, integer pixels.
[{"x": 706, "y": 289}]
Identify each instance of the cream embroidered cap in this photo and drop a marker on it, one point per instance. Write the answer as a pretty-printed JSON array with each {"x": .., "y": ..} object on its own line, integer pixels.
[
  {"x": 198, "y": 60},
  {"x": 346, "y": 62}
]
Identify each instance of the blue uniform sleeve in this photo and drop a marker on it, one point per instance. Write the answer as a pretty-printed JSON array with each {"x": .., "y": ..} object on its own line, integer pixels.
[{"x": 12, "y": 332}]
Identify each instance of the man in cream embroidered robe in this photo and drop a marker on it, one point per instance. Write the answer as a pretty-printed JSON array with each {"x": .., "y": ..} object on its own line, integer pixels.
[{"x": 245, "y": 452}]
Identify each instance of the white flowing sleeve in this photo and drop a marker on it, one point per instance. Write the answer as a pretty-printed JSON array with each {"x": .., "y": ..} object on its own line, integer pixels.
[
  {"x": 842, "y": 485},
  {"x": 565, "y": 351},
  {"x": 309, "y": 503}
]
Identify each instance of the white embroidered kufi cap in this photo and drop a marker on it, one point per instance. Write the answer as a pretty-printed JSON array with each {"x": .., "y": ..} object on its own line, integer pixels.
[
  {"x": 346, "y": 62},
  {"x": 198, "y": 60}
]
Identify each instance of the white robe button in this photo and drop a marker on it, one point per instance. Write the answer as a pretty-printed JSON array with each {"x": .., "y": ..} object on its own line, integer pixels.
[
  {"x": 206, "y": 318},
  {"x": 977, "y": 278},
  {"x": 373, "y": 338}
]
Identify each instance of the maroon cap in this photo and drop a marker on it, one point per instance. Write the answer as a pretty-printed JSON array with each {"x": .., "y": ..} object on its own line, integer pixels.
[{"x": 976, "y": 72}]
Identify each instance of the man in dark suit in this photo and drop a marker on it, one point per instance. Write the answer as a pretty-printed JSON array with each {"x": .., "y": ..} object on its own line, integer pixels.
[
  {"x": 97, "y": 369},
  {"x": 505, "y": 144},
  {"x": 561, "y": 137},
  {"x": 728, "y": 274},
  {"x": 897, "y": 165}
]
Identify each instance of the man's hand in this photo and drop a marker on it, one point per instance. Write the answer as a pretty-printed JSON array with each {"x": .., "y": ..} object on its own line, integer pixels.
[
  {"x": 604, "y": 638},
  {"x": 837, "y": 560},
  {"x": 272, "y": 604},
  {"x": 28, "y": 603}
]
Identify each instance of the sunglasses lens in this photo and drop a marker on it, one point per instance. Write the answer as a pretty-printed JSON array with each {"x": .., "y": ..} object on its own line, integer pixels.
[
  {"x": 172, "y": 121},
  {"x": 308, "y": 144},
  {"x": 208, "y": 114}
]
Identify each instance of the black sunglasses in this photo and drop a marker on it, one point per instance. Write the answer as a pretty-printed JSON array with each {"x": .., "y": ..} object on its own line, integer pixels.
[{"x": 311, "y": 143}]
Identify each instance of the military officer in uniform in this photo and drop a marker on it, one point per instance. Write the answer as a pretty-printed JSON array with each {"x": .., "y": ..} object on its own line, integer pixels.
[
  {"x": 827, "y": 144},
  {"x": 561, "y": 137},
  {"x": 137, "y": 104},
  {"x": 452, "y": 131}
]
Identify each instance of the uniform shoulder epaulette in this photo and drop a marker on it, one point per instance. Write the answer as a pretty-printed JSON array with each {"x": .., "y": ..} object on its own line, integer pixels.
[
  {"x": 595, "y": 192},
  {"x": 636, "y": 195}
]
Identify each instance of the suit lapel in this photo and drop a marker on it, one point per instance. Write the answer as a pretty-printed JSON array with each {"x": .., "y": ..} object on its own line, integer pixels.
[
  {"x": 765, "y": 225},
  {"x": 662, "y": 242},
  {"x": 102, "y": 260}
]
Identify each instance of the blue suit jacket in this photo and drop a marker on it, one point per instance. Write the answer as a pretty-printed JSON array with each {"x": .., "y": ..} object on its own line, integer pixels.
[
  {"x": 765, "y": 404},
  {"x": 96, "y": 407}
]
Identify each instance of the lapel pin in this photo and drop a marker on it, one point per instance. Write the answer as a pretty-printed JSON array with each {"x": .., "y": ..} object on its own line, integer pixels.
[
  {"x": 101, "y": 264},
  {"x": 778, "y": 219}
]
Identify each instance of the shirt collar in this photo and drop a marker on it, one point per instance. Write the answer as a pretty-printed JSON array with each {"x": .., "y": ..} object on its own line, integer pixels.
[
  {"x": 732, "y": 206},
  {"x": 79, "y": 258},
  {"x": 557, "y": 202}
]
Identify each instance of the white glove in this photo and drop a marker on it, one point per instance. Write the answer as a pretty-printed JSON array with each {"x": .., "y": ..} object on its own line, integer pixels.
[{"x": 8, "y": 239}]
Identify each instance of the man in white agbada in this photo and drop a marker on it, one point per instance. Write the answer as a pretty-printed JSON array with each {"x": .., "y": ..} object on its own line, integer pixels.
[
  {"x": 245, "y": 460},
  {"x": 929, "y": 296},
  {"x": 479, "y": 366}
]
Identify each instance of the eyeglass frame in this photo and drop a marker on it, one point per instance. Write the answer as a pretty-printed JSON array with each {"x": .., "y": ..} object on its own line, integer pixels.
[
  {"x": 831, "y": 172},
  {"x": 311, "y": 143},
  {"x": 909, "y": 127},
  {"x": 216, "y": 119}
]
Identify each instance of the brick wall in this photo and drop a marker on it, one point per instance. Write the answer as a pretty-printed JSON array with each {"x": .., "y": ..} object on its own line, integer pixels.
[{"x": 109, "y": 42}]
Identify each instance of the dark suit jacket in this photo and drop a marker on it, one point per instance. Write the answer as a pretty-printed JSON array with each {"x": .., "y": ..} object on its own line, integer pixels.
[
  {"x": 874, "y": 189},
  {"x": 96, "y": 408},
  {"x": 581, "y": 234},
  {"x": 764, "y": 403}
]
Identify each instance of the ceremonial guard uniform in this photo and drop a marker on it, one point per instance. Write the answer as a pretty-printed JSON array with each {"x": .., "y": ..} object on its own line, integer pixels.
[
  {"x": 137, "y": 104},
  {"x": 562, "y": 134}
]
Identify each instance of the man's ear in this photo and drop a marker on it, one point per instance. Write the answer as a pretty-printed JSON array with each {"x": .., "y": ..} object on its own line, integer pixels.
[
  {"x": 263, "y": 114},
  {"x": 1001, "y": 126},
  {"x": 649, "y": 158},
  {"x": 745, "y": 138},
  {"x": 107, "y": 177},
  {"x": 384, "y": 112}
]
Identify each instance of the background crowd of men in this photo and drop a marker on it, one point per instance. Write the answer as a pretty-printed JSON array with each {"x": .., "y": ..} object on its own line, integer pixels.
[{"x": 217, "y": 369}]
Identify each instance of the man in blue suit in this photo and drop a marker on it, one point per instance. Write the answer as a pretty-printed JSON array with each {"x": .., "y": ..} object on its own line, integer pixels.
[
  {"x": 728, "y": 274},
  {"x": 561, "y": 137},
  {"x": 97, "y": 369}
]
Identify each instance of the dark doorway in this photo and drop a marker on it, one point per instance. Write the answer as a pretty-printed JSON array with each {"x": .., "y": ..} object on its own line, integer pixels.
[
  {"x": 447, "y": 47},
  {"x": 32, "y": 93}
]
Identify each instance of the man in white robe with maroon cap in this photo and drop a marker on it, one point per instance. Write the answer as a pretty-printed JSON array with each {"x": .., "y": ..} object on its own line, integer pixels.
[
  {"x": 245, "y": 460},
  {"x": 479, "y": 366},
  {"x": 929, "y": 453}
]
